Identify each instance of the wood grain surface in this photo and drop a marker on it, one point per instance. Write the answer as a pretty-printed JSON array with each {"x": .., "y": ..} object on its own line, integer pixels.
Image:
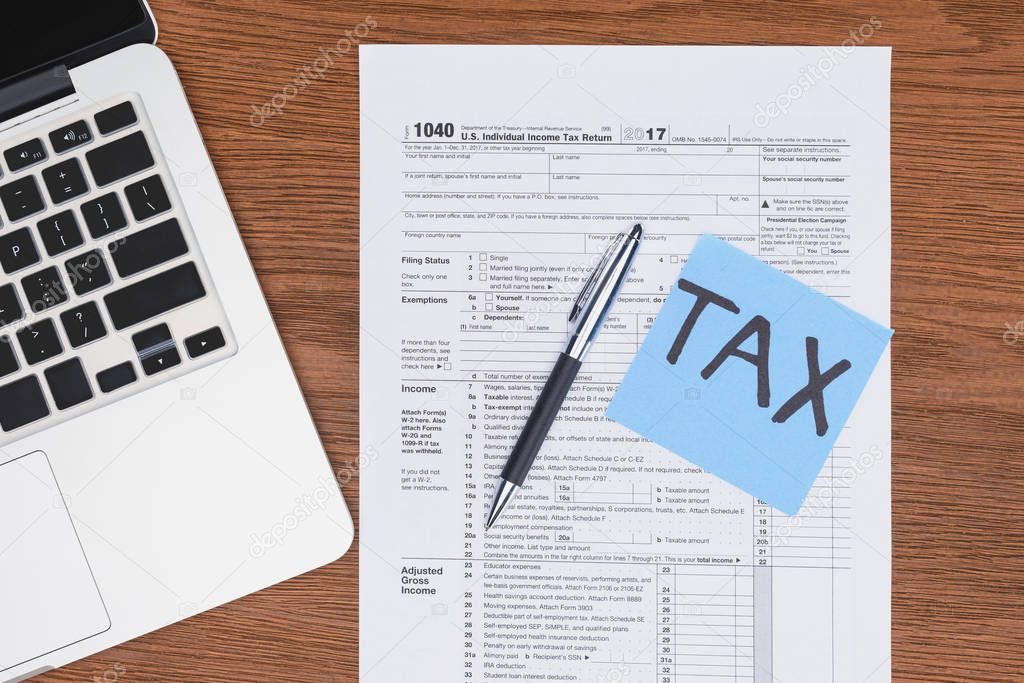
[{"x": 958, "y": 249}]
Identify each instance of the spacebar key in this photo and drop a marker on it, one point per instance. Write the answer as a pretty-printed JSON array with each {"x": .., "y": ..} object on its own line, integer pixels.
[{"x": 154, "y": 295}]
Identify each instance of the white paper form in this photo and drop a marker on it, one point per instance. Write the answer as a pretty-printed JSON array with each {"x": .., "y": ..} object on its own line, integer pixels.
[{"x": 491, "y": 180}]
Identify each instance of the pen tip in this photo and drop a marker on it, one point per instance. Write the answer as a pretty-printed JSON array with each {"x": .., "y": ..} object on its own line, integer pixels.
[
  {"x": 505, "y": 492},
  {"x": 637, "y": 231}
]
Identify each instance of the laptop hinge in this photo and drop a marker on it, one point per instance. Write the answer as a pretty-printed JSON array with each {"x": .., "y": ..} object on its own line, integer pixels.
[{"x": 37, "y": 90}]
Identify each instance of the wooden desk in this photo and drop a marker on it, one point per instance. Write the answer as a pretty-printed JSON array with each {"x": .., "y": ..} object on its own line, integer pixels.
[{"x": 958, "y": 250}]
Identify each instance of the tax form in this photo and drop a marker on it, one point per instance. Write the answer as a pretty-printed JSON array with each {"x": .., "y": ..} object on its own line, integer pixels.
[{"x": 491, "y": 180}]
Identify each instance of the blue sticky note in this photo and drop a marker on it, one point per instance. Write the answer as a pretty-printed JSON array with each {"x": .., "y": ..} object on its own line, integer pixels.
[{"x": 749, "y": 374}]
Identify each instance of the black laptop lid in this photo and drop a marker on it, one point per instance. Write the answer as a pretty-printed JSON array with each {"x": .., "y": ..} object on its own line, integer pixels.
[{"x": 40, "y": 34}]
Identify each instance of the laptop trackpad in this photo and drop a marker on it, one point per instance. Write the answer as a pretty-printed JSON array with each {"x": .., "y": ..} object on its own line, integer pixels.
[{"x": 48, "y": 597}]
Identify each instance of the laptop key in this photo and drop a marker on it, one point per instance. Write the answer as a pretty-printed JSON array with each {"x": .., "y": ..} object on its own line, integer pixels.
[
  {"x": 65, "y": 181},
  {"x": 103, "y": 215},
  {"x": 156, "y": 349},
  {"x": 22, "y": 402},
  {"x": 147, "y": 198},
  {"x": 83, "y": 324},
  {"x": 44, "y": 289},
  {"x": 10, "y": 307},
  {"x": 60, "y": 232},
  {"x": 39, "y": 342},
  {"x": 156, "y": 294},
  {"x": 204, "y": 342},
  {"x": 116, "y": 118},
  {"x": 8, "y": 359},
  {"x": 24, "y": 155},
  {"x": 17, "y": 251},
  {"x": 21, "y": 198},
  {"x": 159, "y": 362},
  {"x": 68, "y": 384},
  {"x": 147, "y": 248},
  {"x": 114, "y": 378},
  {"x": 87, "y": 272},
  {"x": 119, "y": 159},
  {"x": 70, "y": 136}
]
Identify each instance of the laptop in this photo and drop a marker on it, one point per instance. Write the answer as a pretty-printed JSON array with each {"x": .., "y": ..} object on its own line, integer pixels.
[{"x": 157, "y": 458}]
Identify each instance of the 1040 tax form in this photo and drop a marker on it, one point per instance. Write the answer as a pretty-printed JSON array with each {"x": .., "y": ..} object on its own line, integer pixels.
[{"x": 491, "y": 180}]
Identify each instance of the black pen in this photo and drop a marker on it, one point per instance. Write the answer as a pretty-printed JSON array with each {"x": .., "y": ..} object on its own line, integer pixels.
[{"x": 588, "y": 313}]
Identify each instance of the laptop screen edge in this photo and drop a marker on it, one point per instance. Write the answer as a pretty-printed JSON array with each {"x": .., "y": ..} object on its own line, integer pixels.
[{"x": 143, "y": 31}]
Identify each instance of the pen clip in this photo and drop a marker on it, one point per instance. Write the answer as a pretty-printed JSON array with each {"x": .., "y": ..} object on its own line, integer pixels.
[{"x": 588, "y": 286}]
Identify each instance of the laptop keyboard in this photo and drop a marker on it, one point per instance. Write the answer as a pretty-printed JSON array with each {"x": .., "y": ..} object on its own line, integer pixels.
[{"x": 103, "y": 292}]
